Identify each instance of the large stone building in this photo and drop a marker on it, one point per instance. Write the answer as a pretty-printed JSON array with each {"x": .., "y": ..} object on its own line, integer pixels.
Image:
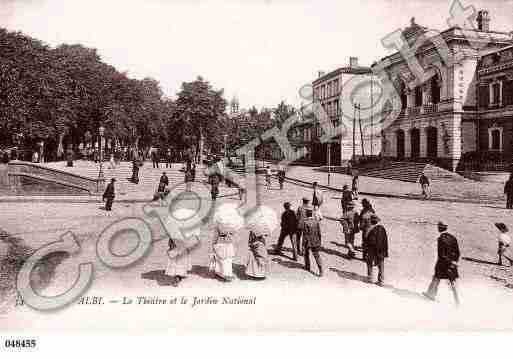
[
  {"x": 439, "y": 120},
  {"x": 495, "y": 92},
  {"x": 328, "y": 90}
]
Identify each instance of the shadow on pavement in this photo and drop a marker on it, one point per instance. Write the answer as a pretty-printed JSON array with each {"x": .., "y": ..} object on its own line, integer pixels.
[
  {"x": 240, "y": 271},
  {"x": 160, "y": 277},
  {"x": 356, "y": 248},
  {"x": 338, "y": 254},
  {"x": 201, "y": 271},
  {"x": 405, "y": 293},
  {"x": 288, "y": 264},
  {"x": 481, "y": 261}
]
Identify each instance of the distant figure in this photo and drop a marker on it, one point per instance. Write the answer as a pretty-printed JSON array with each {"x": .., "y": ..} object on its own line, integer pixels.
[
  {"x": 154, "y": 158},
  {"x": 354, "y": 186},
  {"x": 135, "y": 171},
  {"x": 447, "y": 263},
  {"x": 288, "y": 228},
  {"x": 268, "y": 173},
  {"x": 281, "y": 177},
  {"x": 301, "y": 216},
  {"x": 347, "y": 197},
  {"x": 35, "y": 157},
  {"x": 504, "y": 241},
  {"x": 376, "y": 249},
  {"x": 350, "y": 224},
  {"x": 317, "y": 197},
  {"x": 188, "y": 180},
  {"x": 164, "y": 179},
  {"x": 109, "y": 195},
  {"x": 424, "y": 185},
  {"x": 243, "y": 192},
  {"x": 214, "y": 183},
  {"x": 162, "y": 190},
  {"x": 193, "y": 172},
  {"x": 169, "y": 158},
  {"x": 311, "y": 232},
  {"x": 112, "y": 163},
  {"x": 508, "y": 191}
]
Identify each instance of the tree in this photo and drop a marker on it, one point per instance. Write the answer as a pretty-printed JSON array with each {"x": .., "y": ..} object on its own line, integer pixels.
[{"x": 202, "y": 111}]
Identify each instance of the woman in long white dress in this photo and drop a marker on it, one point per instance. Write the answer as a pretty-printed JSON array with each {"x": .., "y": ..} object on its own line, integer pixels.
[
  {"x": 223, "y": 253},
  {"x": 179, "y": 261},
  {"x": 227, "y": 222},
  {"x": 261, "y": 224}
]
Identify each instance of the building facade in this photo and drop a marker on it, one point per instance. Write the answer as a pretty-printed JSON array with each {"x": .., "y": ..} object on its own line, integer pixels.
[
  {"x": 439, "y": 119},
  {"x": 495, "y": 92},
  {"x": 328, "y": 91}
]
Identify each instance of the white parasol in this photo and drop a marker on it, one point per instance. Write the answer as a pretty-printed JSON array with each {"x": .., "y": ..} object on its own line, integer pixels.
[
  {"x": 227, "y": 218},
  {"x": 263, "y": 221}
]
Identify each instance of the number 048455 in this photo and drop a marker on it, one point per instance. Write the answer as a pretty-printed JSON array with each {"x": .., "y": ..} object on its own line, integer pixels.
[{"x": 20, "y": 343}]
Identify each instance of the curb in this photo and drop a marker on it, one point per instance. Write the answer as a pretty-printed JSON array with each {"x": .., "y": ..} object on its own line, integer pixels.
[{"x": 398, "y": 196}]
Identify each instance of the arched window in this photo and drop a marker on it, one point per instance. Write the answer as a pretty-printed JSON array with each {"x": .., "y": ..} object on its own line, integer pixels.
[{"x": 495, "y": 138}]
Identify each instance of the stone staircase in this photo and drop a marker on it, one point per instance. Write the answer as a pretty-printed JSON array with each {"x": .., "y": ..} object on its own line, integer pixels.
[
  {"x": 400, "y": 171},
  {"x": 408, "y": 172}
]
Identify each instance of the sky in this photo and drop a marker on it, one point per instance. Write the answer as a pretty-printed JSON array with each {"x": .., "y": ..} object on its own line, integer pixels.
[{"x": 260, "y": 51}]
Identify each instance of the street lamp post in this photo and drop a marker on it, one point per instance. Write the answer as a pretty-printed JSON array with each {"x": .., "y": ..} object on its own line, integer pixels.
[
  {"x": 101, "y": 175},
  {"x": 225, "y": 153}
]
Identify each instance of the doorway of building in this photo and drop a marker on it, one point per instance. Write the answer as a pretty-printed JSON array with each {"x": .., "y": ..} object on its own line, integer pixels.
[
  {"x": 400, "y": 144},
  {"x": 415, "y": 143},
  {"x": 432, "y": 142}
]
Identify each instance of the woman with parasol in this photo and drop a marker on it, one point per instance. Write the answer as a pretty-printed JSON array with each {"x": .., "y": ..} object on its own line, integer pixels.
[{"x": 261, "y": 224}]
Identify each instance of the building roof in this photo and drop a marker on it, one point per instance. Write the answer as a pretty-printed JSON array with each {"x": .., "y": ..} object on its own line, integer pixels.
[
  {"x": 355, "y": 70},
  {"x": 454, "y": 34}
]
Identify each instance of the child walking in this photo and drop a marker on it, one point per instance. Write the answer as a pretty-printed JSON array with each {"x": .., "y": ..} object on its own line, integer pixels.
[{"x": 504, "y": 241}]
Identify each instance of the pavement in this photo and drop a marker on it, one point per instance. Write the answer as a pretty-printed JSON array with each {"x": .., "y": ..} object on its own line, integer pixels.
[
  {"x": 291, "y": 298},
  {"x": 468, "y": 191}
]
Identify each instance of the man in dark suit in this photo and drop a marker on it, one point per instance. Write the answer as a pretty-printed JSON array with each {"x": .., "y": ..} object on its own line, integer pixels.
[
  {"x": 446, "y": 266},
  {"x": 301, "y": 216},
  {"x": 164, "y": 179},
  {"x": 376, "y": 249},
  {"x": 288, "y": 228},
  {"x": 317, "y": 196},
  {"x": 109, "y": 195},
  {"x": 347, "y": 197},
  {"x": 508, "y": 191},
  {"x": 311, "y": 232}
]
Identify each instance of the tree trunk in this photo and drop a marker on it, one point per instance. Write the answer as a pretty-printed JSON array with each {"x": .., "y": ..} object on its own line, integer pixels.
[{"x": 201, "y": 146}]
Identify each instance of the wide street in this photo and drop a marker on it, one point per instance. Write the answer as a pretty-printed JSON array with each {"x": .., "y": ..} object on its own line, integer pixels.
[{"x": 291, "y": 297}]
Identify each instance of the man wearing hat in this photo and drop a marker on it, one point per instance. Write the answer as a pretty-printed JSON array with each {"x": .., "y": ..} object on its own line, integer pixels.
[
  {"x": 109, "y": 195},
  {"x": 347, "y": 197},
  {"x": 311, "y": 231},
  {"x": 288, "y": 228},
  {"x": 301, "y": 215},
  {"x": 350, "y": 221},
  {"x": 376, "y": 249},
  {"x": 446, "y": 266},
  {"x": 317, "y": 196}
]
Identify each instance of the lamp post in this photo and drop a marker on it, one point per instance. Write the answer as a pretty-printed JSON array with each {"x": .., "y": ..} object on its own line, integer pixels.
[{"x": 101, "y": 176}]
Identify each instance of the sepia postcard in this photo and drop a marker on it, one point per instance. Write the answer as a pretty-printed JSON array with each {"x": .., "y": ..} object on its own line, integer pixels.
[{"x": 261, "y": 165}]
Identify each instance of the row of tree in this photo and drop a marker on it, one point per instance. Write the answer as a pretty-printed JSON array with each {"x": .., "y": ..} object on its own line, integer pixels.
[{"x": 63, "y": 95}]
